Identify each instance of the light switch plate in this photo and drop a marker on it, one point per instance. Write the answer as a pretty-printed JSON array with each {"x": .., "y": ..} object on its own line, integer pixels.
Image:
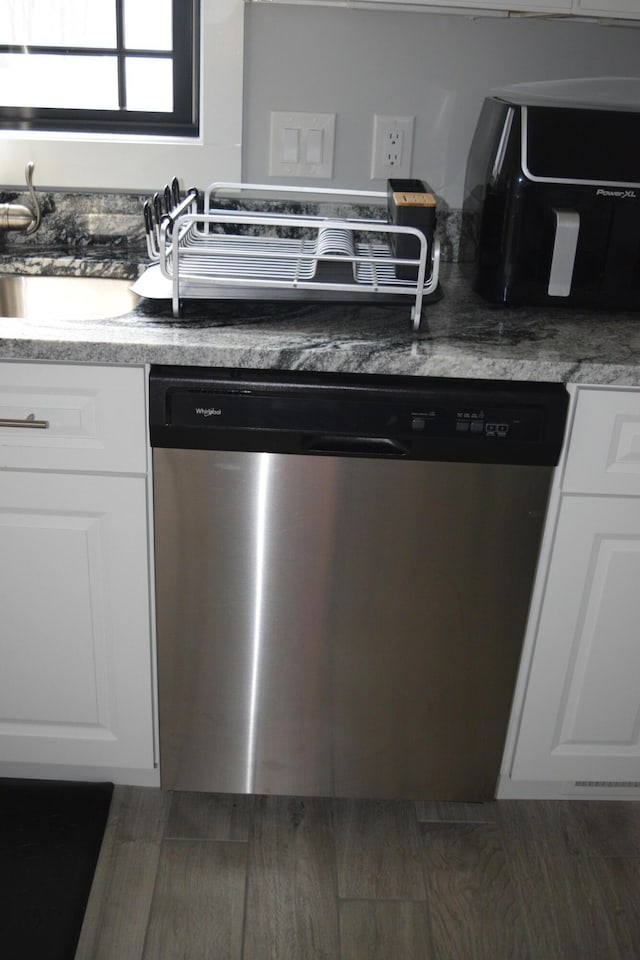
[{"x": 315, "y": 138}]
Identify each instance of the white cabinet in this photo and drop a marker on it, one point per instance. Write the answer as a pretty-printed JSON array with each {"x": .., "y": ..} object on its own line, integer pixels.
[
  {"x": 75, "y": 641},
  {"x": 603, "y": 455},
  {"x": 580, "y": 718},
  {"x": 581, "y": 712},
  {"x": 94, "y": 415}
]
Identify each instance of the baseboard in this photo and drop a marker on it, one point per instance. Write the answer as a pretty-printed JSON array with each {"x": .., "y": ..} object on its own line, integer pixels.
[
  {"x": 54, "y": 771},
  {"x": 565, "y": 790}
]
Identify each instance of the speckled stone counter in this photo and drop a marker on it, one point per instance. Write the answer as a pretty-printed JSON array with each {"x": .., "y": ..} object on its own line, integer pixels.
[{"x": 461, "y": 336}]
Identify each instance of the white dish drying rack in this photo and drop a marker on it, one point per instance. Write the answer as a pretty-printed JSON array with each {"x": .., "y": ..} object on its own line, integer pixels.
[{"x": 218, "y": 252}]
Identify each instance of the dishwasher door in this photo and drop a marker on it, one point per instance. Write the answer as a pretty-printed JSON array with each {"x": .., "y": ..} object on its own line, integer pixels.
[{"x": 340, "y": 626}]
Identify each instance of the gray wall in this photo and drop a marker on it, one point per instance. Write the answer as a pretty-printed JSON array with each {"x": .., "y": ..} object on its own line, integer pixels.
[{"x": 356, "y": 63}]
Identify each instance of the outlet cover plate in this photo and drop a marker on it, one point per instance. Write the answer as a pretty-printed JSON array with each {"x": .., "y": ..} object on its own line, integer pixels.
[
  {"x": 315, "y": 137},
  {"x": 391, "y": 136}
]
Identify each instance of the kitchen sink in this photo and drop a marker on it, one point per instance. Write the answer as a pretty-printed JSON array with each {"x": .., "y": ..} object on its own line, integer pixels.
[{"x": 65, "y": 298}]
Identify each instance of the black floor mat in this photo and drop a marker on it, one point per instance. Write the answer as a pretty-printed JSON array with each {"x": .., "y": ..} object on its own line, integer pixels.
[{"x": 50, "y": 836}]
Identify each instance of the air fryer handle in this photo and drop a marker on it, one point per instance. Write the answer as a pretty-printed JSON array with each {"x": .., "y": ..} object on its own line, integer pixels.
[{"x": 565, "y": 246}]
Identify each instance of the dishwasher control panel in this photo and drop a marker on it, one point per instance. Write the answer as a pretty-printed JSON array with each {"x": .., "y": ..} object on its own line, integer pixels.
[
  {"x": 214, "y": 410},
  {"x": 401, "y": 417},
  {"x": 481, "y": 423}
]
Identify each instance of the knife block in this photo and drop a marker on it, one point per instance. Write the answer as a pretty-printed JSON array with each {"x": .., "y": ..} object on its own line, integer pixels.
[{"x": 410, "y": 203}]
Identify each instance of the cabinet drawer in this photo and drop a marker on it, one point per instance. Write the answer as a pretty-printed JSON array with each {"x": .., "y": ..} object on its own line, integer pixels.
[
  {"x": 67, "y": 417},
  {"x": 604, "y": 448}
]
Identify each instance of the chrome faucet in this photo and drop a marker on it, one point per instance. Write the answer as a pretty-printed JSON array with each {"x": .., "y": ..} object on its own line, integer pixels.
[{"x": 18, "y": 216}]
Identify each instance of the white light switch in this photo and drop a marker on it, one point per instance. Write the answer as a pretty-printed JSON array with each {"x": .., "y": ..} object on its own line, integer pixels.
[
  {"x": 301, "y": 144},
  {"x": 314, "y": 144},
  {"x": 290, "y": 152}
]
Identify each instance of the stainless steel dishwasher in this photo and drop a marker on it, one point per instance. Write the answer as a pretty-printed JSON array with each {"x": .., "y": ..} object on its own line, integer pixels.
[{"x": 343, "y": 571}]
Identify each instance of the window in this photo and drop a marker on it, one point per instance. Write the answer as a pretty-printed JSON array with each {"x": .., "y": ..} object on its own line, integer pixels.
[
  {"x": 130, "y": 161},
  {"x": 100, "y": 65}
]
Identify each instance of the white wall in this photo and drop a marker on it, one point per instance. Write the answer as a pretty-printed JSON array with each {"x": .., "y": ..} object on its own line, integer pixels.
[{"x": 356, "y": 63}]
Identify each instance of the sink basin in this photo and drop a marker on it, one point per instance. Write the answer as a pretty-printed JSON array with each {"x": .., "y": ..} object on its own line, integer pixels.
[{"x": 65, "y": 298}]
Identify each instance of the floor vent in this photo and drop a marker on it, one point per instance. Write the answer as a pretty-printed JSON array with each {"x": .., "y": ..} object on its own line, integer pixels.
[{"x": 609, "y": 784}]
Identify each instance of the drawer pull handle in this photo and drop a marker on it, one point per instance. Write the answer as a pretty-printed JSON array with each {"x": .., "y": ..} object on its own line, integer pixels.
[{"x": 29, "y": 421}]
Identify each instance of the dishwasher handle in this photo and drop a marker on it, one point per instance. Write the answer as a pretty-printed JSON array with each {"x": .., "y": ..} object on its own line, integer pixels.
[{"x": 340, "y": 445}]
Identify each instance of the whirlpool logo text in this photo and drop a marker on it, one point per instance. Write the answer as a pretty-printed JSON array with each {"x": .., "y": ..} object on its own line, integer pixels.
[{"x": 209, "y": 411}]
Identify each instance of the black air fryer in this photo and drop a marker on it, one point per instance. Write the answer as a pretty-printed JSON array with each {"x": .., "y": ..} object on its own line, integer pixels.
[{"x": 553, "y": 201}]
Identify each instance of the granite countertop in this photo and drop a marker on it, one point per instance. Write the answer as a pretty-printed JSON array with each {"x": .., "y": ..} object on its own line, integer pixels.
[{"x": 460, "y": 336}]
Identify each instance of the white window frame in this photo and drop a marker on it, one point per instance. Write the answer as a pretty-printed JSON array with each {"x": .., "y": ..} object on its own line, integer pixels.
[{"x": 122, "y": 163}]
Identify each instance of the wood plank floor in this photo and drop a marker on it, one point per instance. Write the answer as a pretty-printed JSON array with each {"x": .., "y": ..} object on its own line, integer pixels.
[{"x": 205, "y": 877}]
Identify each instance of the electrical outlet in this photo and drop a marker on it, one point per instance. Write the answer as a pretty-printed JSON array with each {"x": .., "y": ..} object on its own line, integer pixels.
[
  {"x": 393, "y": 140},
  {"x": 392, "y": 146}
]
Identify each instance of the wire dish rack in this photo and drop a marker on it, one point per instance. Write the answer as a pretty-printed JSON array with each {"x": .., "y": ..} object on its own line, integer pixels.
[{"x": 200, "y": 250}]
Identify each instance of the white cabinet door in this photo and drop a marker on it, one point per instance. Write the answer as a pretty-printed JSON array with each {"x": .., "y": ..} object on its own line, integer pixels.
[
  {"x": 72, "y": 417},
  {"x": 581, "y": 717},
  {"x": 75, "y": 658},
  {"x": 604, "y": 452},
  {"x": 629, "y": 9}
]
